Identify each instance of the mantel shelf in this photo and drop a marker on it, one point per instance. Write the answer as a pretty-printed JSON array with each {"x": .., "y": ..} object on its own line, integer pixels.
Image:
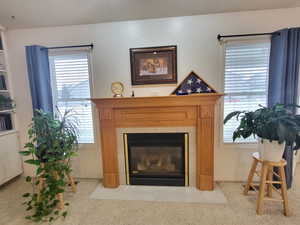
[{"x": 171, "y": 100}]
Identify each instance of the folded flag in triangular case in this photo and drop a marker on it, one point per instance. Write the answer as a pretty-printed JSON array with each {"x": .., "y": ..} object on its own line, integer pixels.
[{"x": 193, "y": 84}]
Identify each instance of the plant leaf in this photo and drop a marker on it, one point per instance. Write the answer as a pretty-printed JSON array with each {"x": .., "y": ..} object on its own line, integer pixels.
[
  {"x": 28, "y": 179},
  {"x": 25, "y": 153},
  {"x": 33, "y": 162},
  {"x": 26, "y": 195},
  {"x": 29, "y": 145},
  {"x": 230, "y": 115},
  {"x": 64, "y": 214}
]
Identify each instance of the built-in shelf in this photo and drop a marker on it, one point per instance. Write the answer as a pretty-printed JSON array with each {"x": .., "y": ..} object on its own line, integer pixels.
[
  {"x": 7, "y": 132},
  {"x": 11, "y": 164},
  {"x": 6, "y": 111}
]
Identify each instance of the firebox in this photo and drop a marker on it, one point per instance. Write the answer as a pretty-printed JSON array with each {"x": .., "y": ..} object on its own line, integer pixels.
[{"x": 156, "y": 159}]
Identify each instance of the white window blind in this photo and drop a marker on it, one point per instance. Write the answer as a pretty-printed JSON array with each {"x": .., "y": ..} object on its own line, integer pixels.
[
  {"x": 246, "y": 80},
  {"x": 71, "y": 89}
]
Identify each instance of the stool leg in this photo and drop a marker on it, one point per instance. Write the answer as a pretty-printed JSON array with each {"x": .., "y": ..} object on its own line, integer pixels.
[
  {"x": 41, "y": 185},
  {"x": 270, "y": 178},
  {"x": 72, "y": 183},
  {"x": 250, "y": 176},
  {"x": 59, "y": 196},
  {"x": 284, "y": 191},
  {"x": 261, "y": 195}
]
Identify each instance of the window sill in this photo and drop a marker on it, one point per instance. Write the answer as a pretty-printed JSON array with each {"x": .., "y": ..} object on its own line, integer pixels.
[
  {"x": 237, "y": 143},
  {"x": 87, "y": 146},
  {"x": 241, "y": 146}
]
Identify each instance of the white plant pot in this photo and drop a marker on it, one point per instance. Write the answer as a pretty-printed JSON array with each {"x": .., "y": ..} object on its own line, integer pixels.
[{"x": 270, "y": 151}]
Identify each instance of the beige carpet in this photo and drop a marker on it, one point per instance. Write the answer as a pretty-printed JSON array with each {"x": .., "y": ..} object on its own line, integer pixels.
[{"x": 240, "y": 210}]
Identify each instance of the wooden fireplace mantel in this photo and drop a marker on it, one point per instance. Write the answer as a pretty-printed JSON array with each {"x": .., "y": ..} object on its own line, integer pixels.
[{"x": 166, "y": 111}]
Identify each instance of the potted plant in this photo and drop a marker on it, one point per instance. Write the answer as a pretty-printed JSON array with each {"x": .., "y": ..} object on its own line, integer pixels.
[
  {"x": 275, "y": 127},
  {"x": 52, "y": 143}
]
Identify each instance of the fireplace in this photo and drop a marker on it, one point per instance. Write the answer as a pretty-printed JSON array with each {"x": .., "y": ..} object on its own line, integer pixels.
[
  {"x": 197, "y": 111},
  {"x": 156, "y": 159}
]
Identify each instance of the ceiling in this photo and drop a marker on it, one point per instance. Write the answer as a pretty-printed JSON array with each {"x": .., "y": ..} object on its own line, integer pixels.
[{"x": 40, "y": 13}]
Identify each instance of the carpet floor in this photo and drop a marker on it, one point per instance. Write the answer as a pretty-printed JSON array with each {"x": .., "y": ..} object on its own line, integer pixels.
[{"x": 239, "y": 210}]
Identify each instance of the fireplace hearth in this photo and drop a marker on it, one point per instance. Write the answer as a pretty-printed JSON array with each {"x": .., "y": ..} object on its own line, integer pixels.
[{"x": 156, "y": 159}]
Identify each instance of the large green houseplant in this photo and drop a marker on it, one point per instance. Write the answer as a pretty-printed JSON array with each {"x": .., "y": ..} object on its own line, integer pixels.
[
  {"x": 52, "y": 143},
  {"x": 275, "y": 127}
]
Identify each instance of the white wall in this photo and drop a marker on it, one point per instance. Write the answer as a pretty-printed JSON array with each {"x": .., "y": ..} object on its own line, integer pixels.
[{"x": 198, "y": 50}]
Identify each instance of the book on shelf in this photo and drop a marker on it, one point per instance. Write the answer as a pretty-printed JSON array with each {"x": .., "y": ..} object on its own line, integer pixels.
[
  {"x": 5, "y": 122},
  {"x": 1, "y": 45},
  {"x": 5, "y": 106},
  {"x": 6, "y": 103},
  {"x": 2, "y": 83}
]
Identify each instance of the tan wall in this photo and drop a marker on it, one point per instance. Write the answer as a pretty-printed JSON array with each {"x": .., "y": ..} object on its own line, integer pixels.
[{"x": 198, "y": 50}]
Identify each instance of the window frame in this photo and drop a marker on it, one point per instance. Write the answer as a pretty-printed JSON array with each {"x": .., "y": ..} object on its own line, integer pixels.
[
  {"x": 62, "y": 52},
  {"x": 237, "y": 42}
]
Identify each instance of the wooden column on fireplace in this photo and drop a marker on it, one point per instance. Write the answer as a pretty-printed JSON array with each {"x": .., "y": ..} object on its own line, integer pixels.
[{"x": 167, "y": 111}]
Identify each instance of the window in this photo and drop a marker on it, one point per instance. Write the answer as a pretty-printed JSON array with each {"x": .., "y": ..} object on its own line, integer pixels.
[
  {"x": 70, "y": 74},
  {"x": 246, "y": 80}
]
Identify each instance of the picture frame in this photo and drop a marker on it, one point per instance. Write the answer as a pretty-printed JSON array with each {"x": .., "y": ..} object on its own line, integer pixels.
[{"x": 153, "y": 65}]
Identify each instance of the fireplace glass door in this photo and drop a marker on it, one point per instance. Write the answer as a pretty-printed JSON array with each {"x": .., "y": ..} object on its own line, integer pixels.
[{"x": 156, "y": 158}]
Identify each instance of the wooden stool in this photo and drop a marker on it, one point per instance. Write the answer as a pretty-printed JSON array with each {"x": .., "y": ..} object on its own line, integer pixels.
[
  {"x": 266, "y": 182},
  {"x": 59, "y": 196}
]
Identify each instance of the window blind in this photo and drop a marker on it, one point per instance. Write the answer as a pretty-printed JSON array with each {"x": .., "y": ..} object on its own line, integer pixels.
[
  {"x": 71, "y": 90},
  {"x": 246, "y": 80}
]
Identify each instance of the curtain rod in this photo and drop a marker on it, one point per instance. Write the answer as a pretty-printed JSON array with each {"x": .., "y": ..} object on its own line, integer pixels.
[
  {"x": 72, "y": 46},
  {"x": 219, "y": 37}
]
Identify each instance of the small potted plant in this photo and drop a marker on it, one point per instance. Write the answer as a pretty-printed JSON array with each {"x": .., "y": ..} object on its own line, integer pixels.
[{"x": 274, "y": 127}]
